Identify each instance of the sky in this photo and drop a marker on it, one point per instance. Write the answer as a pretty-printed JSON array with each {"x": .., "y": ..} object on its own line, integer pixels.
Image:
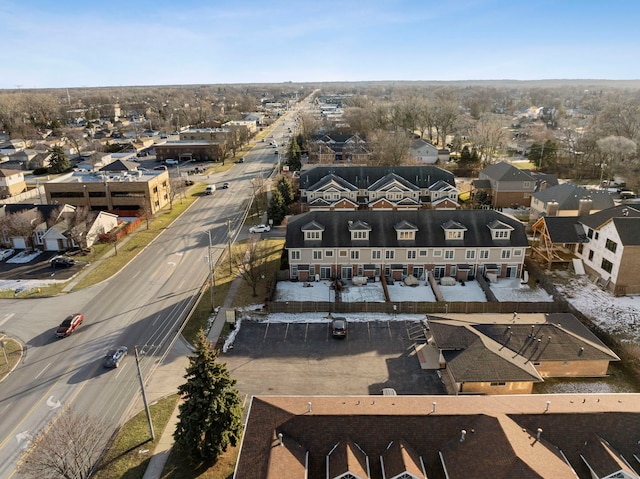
[{"x": 72, "y": 43}]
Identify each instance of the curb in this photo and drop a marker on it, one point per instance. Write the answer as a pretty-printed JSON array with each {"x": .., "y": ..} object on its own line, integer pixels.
[{"x": 17, "y": 362}]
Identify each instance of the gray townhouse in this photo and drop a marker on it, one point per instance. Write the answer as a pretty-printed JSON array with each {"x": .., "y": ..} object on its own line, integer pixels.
[{"x": 369, "y": 243}]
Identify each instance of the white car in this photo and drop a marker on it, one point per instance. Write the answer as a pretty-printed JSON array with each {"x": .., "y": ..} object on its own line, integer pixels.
[{"x": 259, "y": 229}]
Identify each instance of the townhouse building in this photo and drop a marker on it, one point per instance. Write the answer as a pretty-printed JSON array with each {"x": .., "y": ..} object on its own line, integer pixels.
[{"x": 456, "y": 243}]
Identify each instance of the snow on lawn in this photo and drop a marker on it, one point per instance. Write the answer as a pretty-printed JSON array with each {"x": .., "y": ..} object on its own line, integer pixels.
[
  {"x": 512, "y": 290},
  {"x": 470, "y": 292},
  {"x": 25, "y": 285},
  {"x": 619, "y": 316},
  {"x": 366, "y": 293},
  {"x": 325, "y": 318},
  {"x": 297, "y": 291},
  {"x": 400, "y": 292}
]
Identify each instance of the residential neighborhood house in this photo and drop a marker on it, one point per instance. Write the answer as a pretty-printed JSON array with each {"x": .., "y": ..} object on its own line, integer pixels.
[
  {"x": 503, "y": 186},
  {"x": 605, "y": 245},
  {"x": 568, "y": 199}
]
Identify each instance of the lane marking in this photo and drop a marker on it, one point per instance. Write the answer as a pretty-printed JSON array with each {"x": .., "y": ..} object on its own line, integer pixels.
[
  {"x": 7, "y": 318},
  {"x": 43, "y": 370}
]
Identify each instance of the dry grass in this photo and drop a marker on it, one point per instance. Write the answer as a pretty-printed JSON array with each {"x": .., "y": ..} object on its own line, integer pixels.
[
  {"x": 178, "y": 468},
  {"x": 13, "y": 352}
]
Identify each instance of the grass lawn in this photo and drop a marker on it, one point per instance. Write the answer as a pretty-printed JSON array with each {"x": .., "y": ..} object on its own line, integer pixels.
[
  {"x": 125, "y": 457},
  {"x": 177, "y": 468},
  {"x": 13, "y": 351}
]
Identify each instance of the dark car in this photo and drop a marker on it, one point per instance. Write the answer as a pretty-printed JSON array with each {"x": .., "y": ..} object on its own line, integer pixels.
[
  {"x": 69, "y": 325},
  {"x": 339, "y": 327},
  {"x": 62, "y": 262},
  {"x": 241, "y": 160},
  {"x": 114, "y": 356},
  {"x": 225, "y": 185}
]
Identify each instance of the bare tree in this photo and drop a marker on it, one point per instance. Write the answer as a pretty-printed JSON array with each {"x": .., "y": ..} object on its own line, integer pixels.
[
  {"x": 617, "y": 149},
  {"x": 487, "y": 136},
  {"x": 445, "y": 114},
  {"x": 68, "y": 449},
  {"x": 390, "y": 148},
  {"x": 24, "y": 225},
  {"x": 250, "y": 260},
  {"x": 79, "y": 223}
]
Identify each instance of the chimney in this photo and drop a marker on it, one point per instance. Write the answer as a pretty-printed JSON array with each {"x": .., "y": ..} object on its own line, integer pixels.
[
  {"x": 552, "y": 208},
  {"x": 538, "y": 433},
  {"x": 463, "y": 435},
  {"x": 584, "y": 206}
]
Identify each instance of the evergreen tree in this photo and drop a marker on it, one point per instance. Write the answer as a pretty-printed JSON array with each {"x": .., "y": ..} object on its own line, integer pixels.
[
  {"x": 59, "y": 161},
  {"x": 294, "y": 155},
  {"x": 210, "y": 416},
  {"x": 285, "y": 188},
  {"x": 277, "y": 209}
]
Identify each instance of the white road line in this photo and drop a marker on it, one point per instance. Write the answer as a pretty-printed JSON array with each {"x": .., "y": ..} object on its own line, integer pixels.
[
  {"x": 43, "y": 370},
  {"x": 7, "y": 318}
]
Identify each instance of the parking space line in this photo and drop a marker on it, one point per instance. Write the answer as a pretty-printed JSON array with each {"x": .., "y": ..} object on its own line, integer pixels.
[
  {"x": 369, "y": 330},
  {"x": 389, "y": 329},
  {"x": 306, "y": 332},
  {"x": 264, "y": 338},
  {"x": 286, "y": 331}
]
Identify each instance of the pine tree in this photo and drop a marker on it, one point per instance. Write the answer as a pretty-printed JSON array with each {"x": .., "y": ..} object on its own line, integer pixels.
[
  {"x": 286, "y": 189},
  {"x": 277, "y": 209},
  {"x": 58, "y": 161},
  {"x": 210, "y": 415}
]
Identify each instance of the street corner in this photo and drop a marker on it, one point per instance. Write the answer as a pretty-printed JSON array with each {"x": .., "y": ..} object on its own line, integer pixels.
[{"x": 11, "y": 351}]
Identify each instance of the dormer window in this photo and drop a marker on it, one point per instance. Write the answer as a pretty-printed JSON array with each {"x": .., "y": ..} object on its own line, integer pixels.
[
  {"x": 500, "y": 230},
  {"x": 312, "y": 231},
  {"x": 359, "y": 230},
  {"x": 453, "y": 230},
  {"x": 405, "y": 231}
]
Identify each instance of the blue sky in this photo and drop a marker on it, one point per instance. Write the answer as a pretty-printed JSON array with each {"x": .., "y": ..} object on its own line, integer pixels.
[{"x": 70, "y": 43}]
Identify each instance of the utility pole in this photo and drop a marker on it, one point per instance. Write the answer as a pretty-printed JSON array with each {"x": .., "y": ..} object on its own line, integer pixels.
[
  {"x": 212, "y": 277},
  {"x": 144, "y": 395},
  {"x": 229, "y": 237}
]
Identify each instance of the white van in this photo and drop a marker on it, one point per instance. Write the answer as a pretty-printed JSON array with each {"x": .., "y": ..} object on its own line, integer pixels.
[
  {"x": 209, "y": 189},
  {"x": 170, "y": 161}
]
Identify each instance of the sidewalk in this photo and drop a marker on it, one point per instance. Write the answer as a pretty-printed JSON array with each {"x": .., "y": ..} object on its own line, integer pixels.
[{"x": 169, "y": 375}]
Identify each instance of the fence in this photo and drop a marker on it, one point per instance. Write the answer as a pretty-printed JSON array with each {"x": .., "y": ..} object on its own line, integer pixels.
[{"x": 441, "y": 307}]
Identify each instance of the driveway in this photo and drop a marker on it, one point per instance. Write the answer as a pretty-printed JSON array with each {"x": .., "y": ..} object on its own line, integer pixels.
[{"x": 303, "y": 358}]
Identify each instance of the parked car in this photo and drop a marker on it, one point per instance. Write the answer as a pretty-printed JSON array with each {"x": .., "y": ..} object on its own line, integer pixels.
[
  {"x": 225, "y": 185},
  {"x": 339, "y": 327},
  {"x": 241, "y": 160},
  {"x": 62, "y": 262},
  {"x": 276, "y": 152},
  {"x": 188, "y": 182},
  {"x": 171, "y": 162},
  {"x": 209, "y": 189},
  {"x": 160, "y": 168},
  {"x": 259, "y": 229},
  {"x": 114, "y": 356},
  {"x": 69, "y": 325}
]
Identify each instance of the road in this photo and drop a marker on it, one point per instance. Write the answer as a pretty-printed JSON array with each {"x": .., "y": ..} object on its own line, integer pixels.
[{"x": 143, "y": 305}]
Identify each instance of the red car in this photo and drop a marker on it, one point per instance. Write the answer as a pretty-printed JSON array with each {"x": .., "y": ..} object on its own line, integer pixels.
[{"x": 69, "y": 325}]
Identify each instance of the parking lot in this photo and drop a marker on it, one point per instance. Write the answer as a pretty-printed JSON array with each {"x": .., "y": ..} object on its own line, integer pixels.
[
  {"x": 304, "y": 358},
  {"x": 37, "y": 269}
]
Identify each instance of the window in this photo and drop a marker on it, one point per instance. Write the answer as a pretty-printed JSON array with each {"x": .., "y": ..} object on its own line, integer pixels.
[
  {"x": 355, "y": 254},
  {"x": 498, "y": 384},
  {"x": 471, "y": 254},
  {"x": 295, "y": 254},
  {"x": 607, "y": 265},
  {"x": 328, "y": 254},
  {"x": 411, "y": 254},
  {"x": 312, "y": 235},
  {"x": 597, "y": 235},
  {"x": 406, "y": 235},
  {"x": 589, "y": 233},
  {"x": 611, "y": 245},
  {"x": 505, "y": 254},
  {"x": 359, "y": 235},
  {"x": 452, "y": 235},
  {"x": 448, "y": 254},
  {"x": 423, "y": 252},
  {"x": 590, "y": 255},
  {"x": 376, "y": 254},
  {"x": 317, "y": 254},
  {"x": 389, "y": 254},
  {"x": 501, "y": 234},
  {"x": 484, "y": 254},
  {"x": 526, "y": 184},
  {"x": 517, "y": 252},
  {"x": 343, "y": 254},
  {"x": 437, "y": 252}
]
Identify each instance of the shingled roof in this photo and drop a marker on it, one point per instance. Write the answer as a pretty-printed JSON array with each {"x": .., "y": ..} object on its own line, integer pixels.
[
  {"x": 362, "y": 177},
  {"x": 527, "y": 436},
  {"x": 428, "y": 222},
  {"x": 568, "y": 196}
]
